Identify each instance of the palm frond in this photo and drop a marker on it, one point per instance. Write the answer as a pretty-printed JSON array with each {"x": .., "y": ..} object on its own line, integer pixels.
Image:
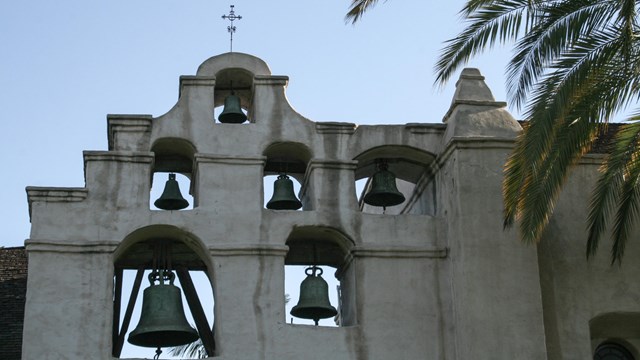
[
  {"x": 473, "y": 5},
  {"x": 572, "y": 139},
  {"x": 562, "y": 25},
  {"x": 628, "y": 208},
  {"x": 565, "y": 109},
  {"x": 515, "y": 172},
  {"x": 194, "y": 350},
  {"x": 490, "y": 23},
  {"x": 616, "y": 187},
  {"x": 357, "y": 9},
  {"x": 604, "y": 197}
]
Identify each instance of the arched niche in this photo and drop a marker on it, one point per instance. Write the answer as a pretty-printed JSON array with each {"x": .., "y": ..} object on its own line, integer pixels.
[
  {"x": 188, "y": 257},
  {"x": 238, "y": 81},
  {"x": 406, "y": 162},
  {"x": 412, "y": 169},
  {"x": 615, "y": 330},
  {"x": 331, "y": 246},
  {"x": 173, "y": 156},
  {"x": 329, "y": 249},
  {"x": 289, "y": 158},
  {"x": 190, "y": 250}
]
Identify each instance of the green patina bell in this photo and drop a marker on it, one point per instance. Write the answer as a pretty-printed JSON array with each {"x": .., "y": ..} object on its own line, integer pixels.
[
  {"x": 232, "y": 112},
  {"x": 171, "y": 198},
  {"x": 162, "y": 320},
  {"x": 283, "y": 197},
  {"x": 383, "y": 191},
  {"x": 314, "y": 297}
]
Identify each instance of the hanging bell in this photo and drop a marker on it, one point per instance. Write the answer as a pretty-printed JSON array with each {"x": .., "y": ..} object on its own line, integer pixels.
[
  {"x": 283, "y": 196},
  {"x": 232, "y": 112},
  {"x": 383, "y": 191},
  {"x": 314, "y": 297},
  {"x": 171, "y": 198},
  {"x": 162, "y": 320}
]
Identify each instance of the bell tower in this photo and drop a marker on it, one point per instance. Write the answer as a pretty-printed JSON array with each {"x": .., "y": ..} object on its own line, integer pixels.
[{"x": 392, "y": 212}]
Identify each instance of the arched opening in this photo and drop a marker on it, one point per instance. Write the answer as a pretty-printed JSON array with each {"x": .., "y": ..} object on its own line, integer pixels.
[
  {"x": 615, "y": 335},
  {"x": 172, "y": 175},
  {"x": 611, "y": 350},
  {"x": 397, "y": 172},
  {"x": 286, "y": 163},
  {"x": 233, "y": 96},
  {"x": 327, "y": 249},
  {"x": 138, "y": 260}
]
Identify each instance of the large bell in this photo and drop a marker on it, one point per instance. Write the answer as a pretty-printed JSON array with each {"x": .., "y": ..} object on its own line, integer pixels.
[
  {"x": 232, "y": 112},
  {"x": 162, "y": 320},
  {"x": 283, "y": 196},
  {"x": 383, "y": 191},
  {"x": 314, "y": 298},
  {"x": 171, "y": 198}
]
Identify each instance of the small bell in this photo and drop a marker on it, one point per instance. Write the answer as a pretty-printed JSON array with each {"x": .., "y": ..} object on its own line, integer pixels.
[
  {"x": 232, "y": 112},
  {"x": 383, "y": 191},
  {"x": 162, "y": 320},
  {"x": 314, "y": 297},
  {"x": 171, "y": 198},
  {"x": 283, "y": 196}
]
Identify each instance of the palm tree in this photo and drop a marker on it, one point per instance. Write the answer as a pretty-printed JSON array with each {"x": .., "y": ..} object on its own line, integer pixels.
[{"x": 575, "y": 67}]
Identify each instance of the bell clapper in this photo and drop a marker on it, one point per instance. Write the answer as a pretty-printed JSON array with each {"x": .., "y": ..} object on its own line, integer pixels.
[{"x": 158, "y": 352}]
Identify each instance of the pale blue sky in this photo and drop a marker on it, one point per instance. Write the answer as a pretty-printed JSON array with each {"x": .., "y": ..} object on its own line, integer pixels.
[{"x": 66, "y": 64}]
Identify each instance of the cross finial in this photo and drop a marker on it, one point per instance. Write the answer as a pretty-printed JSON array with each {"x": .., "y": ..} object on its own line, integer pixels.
[{"x": 231, "y": 28}]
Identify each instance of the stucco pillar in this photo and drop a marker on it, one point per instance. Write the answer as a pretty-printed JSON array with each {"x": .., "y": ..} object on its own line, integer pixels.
[
  {"x": 234, "y": 183},
  {"x": 329, "y": 185},
  {"x": 69, "y": 305},
  {"x": 495, "y": 285}
]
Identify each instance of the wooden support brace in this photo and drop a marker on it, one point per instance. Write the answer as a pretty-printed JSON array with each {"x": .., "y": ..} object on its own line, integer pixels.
[
  {"x": 206, "y": 335},
  {"x": 117, "y": 301},
  {"x": 117, "y": 347}
]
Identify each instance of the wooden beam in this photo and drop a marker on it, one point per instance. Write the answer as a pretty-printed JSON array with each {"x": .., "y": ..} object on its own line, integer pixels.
[
  {"x": 117, "y": 301},
  {"x": 117, "y": 348},
  {"x": 206, "y": 334}
]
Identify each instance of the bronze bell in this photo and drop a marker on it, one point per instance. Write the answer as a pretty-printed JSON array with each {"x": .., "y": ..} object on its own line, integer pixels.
[
  {"x": 383, "y": 191},
  {"x": 314, "y": 297},
  {"x": 232, "y": 112},
  {"x": 162, "y": 320},
  {"x": 283, "y": 196},
  {"x": 171, "y": 198}
]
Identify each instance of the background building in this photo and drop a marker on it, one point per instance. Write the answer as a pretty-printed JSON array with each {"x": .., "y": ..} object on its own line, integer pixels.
[{"x": 13, "y": 288}]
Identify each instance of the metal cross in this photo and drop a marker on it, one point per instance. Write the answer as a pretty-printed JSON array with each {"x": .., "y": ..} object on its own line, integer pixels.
[{"x": 231, "y": 28}]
